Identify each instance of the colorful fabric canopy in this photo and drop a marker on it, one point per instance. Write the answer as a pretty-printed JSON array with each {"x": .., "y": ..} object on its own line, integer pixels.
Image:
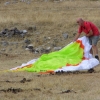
[{"x": 73, "y": 57}]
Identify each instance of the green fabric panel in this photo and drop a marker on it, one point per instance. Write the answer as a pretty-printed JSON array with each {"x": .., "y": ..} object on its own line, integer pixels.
[{"x": 71, "y": 54}]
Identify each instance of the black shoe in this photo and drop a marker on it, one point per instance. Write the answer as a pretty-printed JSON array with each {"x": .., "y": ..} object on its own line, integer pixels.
[
  {"x": 91, "y": 70},
  {"x": 97, "y": 57}
]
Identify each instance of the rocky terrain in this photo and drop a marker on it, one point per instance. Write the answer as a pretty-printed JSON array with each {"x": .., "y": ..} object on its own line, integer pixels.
[
  {"x": 30, "y": 28},
  {"x": 35, "y": 38}
]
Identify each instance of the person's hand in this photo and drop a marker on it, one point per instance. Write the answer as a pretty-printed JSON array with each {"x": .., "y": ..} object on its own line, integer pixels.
[
  {"x": 86, "y": 35},
  {"x": 89, "y": 34}
]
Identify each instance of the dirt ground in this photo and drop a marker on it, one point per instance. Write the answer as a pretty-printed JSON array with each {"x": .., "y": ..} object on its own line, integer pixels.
[
  {"x": 34, "y": 86},
  {"x": 50, "y": 18}
]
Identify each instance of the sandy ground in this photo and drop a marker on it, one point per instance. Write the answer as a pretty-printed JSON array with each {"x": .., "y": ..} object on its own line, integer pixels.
[{"x": 34, "y": 86}]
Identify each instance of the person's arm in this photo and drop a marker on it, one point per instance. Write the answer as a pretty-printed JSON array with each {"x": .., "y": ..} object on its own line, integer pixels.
[
  {"x": 90, "y": 33},
  {"x": 76, "y": 37}
]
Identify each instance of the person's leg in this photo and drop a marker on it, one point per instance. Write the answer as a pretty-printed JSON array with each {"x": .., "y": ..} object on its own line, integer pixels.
[
  {"x": 94, "y": 46},
  {"x": 94, "y": 50},
  {"x": 91, "y": 51}
]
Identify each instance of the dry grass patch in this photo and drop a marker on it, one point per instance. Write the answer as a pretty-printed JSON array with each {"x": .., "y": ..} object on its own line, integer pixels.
[{"x": 51, "y": 19}]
